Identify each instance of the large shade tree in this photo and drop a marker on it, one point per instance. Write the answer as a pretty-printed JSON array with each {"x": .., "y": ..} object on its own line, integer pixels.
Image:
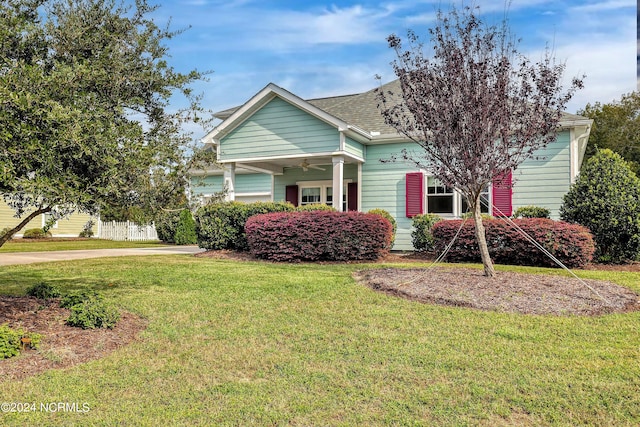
[
  {"x": 84, "y": 109},
  {"x": 475, "y": 105},
  {"x": 616, "y": 126}
]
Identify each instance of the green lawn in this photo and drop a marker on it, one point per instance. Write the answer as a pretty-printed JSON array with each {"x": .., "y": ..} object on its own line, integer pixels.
[
  {"x": 61, "y": 244},
  {"x": 252, "y": 343}
]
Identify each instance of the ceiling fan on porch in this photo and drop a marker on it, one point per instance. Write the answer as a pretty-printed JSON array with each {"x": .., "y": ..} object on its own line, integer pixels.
[{"x": 305, "y": 165}]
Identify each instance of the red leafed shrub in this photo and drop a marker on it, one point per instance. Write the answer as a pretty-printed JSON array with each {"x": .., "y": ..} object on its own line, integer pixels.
[
  {"x": 318, "y": 236},
  {"x": 570, "y": 243}
]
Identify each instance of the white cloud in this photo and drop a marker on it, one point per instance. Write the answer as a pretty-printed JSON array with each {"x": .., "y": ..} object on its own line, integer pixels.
[
  {"x": 291, "y": 30},
  {"x": 603, "y": 6}
]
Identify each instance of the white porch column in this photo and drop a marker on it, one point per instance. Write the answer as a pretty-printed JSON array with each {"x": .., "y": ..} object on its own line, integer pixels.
[
  {"x": 230, "y": 181},
  {"x": 338, "y": 182}
]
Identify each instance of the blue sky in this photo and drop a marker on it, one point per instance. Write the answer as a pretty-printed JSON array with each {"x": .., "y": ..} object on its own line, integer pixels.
[{"x": 317, "y": 48}]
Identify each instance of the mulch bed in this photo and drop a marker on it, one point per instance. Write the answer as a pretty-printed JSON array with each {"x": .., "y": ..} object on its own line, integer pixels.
[
  {"x": 506, "y": 291},
  {"x": 62, "y": 346}
]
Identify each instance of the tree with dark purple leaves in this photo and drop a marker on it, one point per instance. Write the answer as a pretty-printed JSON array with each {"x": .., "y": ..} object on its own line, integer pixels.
[{"x": 476, "y": 107}]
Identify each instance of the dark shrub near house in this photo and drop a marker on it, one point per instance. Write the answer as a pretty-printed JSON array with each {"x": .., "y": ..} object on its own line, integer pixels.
[
  {"x": 221, "y": 225},
  {"x": 570, "y": 243},
  {"x": 186, "y": 229},
  {"x": 606, "y": 198},
  {"x": 318, "y": 236},
  {"x": 166, "y": 225}
]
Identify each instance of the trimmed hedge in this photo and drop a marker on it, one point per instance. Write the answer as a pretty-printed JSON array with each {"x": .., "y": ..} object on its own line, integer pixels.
[
  {"x": 35, "y": 233},
  {"x": 386, "y": 215},
  {"x": 318, "y": 236},
  {"x": 221, "y": 225},
  {"x": 570, "y": 243}
]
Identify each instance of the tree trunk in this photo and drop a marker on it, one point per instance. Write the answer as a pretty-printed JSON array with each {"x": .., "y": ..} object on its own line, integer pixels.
[
  {"x": 482, "y": 239},
  {"x": 4, "y": 238}
]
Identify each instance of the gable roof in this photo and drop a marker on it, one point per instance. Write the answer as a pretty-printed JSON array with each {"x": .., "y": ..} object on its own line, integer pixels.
[
  {"x": 361, "y": 110},
  {"x": 234, "y": 116}
]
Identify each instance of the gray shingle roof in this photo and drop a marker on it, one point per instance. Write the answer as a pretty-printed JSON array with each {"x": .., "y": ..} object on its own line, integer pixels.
[{"x": 362, "y": 110}]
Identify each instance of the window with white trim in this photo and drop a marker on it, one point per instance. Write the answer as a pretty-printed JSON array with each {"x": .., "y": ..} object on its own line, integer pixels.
[
  {"x": 445, "y": 201},
  {"x": 311, "y": 195},
  {"x": 320, "y": 192},
  {"x": 440, "y": 198}
]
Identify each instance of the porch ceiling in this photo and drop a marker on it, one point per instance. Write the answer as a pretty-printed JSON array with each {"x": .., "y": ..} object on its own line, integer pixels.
[{"x": 276, "y": 166}]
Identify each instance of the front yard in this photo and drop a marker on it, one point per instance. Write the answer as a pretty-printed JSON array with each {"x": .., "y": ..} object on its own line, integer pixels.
[{"x": 233, "y": 342}]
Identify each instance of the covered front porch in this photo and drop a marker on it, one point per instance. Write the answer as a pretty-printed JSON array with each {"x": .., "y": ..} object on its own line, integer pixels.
[{"x": 327, "y": 178}]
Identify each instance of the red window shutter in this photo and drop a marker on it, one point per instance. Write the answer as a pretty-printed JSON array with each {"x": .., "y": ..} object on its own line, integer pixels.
[
  {"x": 502, "y": 195},
  {"x": 414, "y": 194},
  {"x": 352, "y": 196},
  {"x": 291, "y": 194}
]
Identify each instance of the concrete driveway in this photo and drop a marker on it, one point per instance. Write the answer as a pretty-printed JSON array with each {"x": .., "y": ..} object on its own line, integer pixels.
[{"x": 15, "y": 258}]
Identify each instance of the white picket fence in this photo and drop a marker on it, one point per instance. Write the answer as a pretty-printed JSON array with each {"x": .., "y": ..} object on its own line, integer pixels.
[{"x": 113, "y": 230}]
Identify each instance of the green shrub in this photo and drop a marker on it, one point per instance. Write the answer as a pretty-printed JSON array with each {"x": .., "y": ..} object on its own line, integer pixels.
[
  {"x": 531, "y": 212},
  {"x": 43, "y": 291},
  {"x": 5, "y": 231},
  {"x": 35, "y": 233},
  {"x": 87, "y": 230},
  {"x": 606, "y": 199},
  {"x": 78, "y": 297},
  {"x": 221, "y": 225},
  {"x": 386, "y": 215},
  {"x": 421, "y": 236},
  {"x": 93, "y": 313},
  {"x": 166, "y": 224},
  {"x": 315, "y": 207},
  {"x": 11, "y": 340},
  {"x": 186, "y": 229}
]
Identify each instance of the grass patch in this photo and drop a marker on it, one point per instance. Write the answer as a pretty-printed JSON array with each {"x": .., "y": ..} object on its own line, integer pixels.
[
  {"x": 251, "y": 343},
  {"x": 64, "y": 244}
]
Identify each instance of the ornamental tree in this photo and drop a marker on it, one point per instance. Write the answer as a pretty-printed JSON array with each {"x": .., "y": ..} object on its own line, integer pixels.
[
  {"x": 475, "y": 106},
  {"x": 84, "y": 108}
]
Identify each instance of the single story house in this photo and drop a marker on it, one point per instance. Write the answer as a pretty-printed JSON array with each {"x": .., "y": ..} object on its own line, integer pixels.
[{"x": 280, "y": 147}]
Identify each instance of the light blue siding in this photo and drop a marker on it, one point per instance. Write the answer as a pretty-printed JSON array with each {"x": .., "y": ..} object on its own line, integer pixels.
[
  {"x": 544, "y": 181},
  {"x": 245, "y": 183},
  {"x": 279, "y": 129},
  {"x": 383, "y": 187},
  {"x": 540, "y": 182},
  {"x": 354, "y": 147}
]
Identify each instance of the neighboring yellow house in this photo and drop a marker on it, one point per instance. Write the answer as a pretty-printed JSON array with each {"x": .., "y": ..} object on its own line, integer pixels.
[{"x": 67, "y": 227}]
